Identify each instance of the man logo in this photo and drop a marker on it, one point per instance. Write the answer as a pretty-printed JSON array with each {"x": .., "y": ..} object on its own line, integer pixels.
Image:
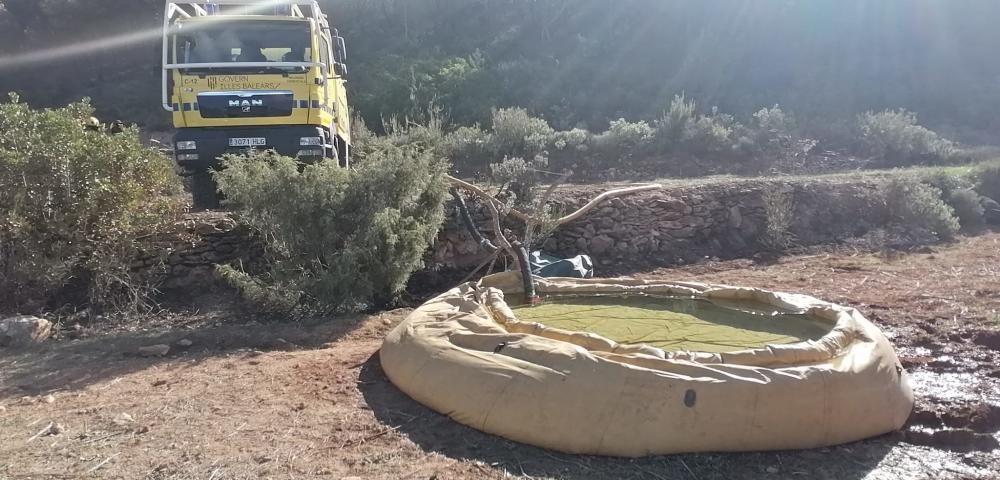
[{"x": 246, "y": 105}]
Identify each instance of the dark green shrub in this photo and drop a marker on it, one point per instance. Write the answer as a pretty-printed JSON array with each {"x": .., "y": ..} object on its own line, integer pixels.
[
  {"x": 339, "y": 239},
  {"x": 968, "y": 207},
  {"x": 914, "y": 204},
  {"x": 72, "y": 203},
  {"x": 987, "y": 178},
  {"x": 947, "y": 182}
]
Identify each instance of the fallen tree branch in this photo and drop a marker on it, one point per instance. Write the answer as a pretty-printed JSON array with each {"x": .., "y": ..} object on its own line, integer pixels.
[
  {"x": 99, "y": 465},
  {"x": 606, "y": 196},
  {"x": 568, "y": 218},
  {"x": 41, "y": 432}
]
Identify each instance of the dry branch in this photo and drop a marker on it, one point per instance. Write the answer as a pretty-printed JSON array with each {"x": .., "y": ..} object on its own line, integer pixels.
[
  {"x": 41, "y": 432},
  {"x": 529, "y": 230},
  {"x": 99, "y": 465},
  {"x": 568, "y": 218}
]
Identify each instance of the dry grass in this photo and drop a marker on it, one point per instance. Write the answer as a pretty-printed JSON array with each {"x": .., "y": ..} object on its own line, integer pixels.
[{"x": 242, "y": 404}]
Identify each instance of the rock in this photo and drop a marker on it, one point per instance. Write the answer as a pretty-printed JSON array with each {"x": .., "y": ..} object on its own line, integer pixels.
[
  {"x": 550, "y": 245},
  {"x": 3, "y": 409},
  {"x": 56, "y": 429},
  {"x": 154, "y": 350},
  {"x": 735, "y": 217},
  {"x": 601, "y": 244},
  {"x": 124, "y": 418},
  {"x": 772, "y": 469},
  {"x": 989, "y": 339},
  {"x": 49, "y": 399},
  {"x": 606, "y": 212},
  {"x": 605, "y": 223},
  {"x": 184, "y": 343},
  {"x": 23, "y": 331}
]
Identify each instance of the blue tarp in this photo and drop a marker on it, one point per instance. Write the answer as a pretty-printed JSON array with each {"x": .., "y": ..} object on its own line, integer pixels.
[{"x": 548, "y": 266}]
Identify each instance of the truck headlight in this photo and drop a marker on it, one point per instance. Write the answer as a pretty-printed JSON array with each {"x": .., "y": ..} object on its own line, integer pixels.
[
  {"x": 311, "y": 141},
  {"x": 186, "y": 145}
]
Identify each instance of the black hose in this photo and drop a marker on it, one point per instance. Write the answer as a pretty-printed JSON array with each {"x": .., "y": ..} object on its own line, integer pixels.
[
  {"x": 529, "y": 282},
  {"x": 463, "y": 211}
]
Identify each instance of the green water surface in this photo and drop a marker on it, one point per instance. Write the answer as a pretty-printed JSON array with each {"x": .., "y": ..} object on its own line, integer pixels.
[{"x": 676, "y": 323}]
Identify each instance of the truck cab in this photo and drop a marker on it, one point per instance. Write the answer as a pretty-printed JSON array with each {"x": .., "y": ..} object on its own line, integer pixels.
[{"x": 240, "y": 75}]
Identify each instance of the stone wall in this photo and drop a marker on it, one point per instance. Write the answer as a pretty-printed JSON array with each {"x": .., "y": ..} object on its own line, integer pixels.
[
  {"x": 187, "y": 255},
  {"x": 679, "y": 224},
  {"x": 726, "y": 220}
]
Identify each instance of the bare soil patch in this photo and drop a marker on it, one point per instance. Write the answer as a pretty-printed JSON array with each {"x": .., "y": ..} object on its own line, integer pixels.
[{"x": 253, "y": 399}]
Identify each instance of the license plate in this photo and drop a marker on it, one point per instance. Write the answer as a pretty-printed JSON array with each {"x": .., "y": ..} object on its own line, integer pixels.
[{"x": 247, "y": 142}]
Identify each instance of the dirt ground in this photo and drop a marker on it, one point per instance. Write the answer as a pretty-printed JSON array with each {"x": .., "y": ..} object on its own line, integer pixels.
[{"x": 252, "y": 399}]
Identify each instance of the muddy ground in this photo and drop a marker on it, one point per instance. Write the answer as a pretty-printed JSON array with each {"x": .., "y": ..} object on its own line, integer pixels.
[{"x": 253, "y": 399}]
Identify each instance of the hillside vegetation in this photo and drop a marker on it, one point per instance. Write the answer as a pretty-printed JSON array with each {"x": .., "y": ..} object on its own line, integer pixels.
[{"x": 576, "y": 63}]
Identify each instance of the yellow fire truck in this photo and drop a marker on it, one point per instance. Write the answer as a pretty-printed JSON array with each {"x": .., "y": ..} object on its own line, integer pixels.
[{"x": 244, "y": 74}]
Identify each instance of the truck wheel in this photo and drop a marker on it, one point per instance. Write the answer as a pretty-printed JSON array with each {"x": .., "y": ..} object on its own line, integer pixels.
[
  {"x": 343, "y": 153},
  {"x": 204, "y": 191}
]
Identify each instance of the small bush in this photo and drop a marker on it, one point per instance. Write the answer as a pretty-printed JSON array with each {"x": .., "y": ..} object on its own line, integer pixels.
[
  {"x": 915, "y": 204},
  {"x": 774, "y": 121},
  {"x": 516, "y": 133},
  {"x": 340, "y": 239},
  {"x": 467, "y": 147},
  {"x": 947, "y": 182},
  {"x": 779, "y": 208},
  {"x": 771, "y": 132},
  {"x": 572, "y": 140},
  {"x": 987, "y": 179},
  {"x": 968, "y": 207},
  {"x": 72, "y": 204},
  {"x": 896, "y": 138},
  {"x": 518, "y": 177},
  {"x": 680, "y": 127},
  {"x": 673, "y": 123},
  {"x": 710, "y": 133},
  {"x": 623, "y": 139},
  {"x": 427, "y": 135}
]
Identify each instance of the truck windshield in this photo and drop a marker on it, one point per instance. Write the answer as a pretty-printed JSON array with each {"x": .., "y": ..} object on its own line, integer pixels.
[{"x": 243, "y": 41}]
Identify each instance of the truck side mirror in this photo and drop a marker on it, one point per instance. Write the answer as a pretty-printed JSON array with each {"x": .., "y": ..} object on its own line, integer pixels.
[
  {"x": 341, "y": 49},
  {"x": 340, "y": 69}
]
